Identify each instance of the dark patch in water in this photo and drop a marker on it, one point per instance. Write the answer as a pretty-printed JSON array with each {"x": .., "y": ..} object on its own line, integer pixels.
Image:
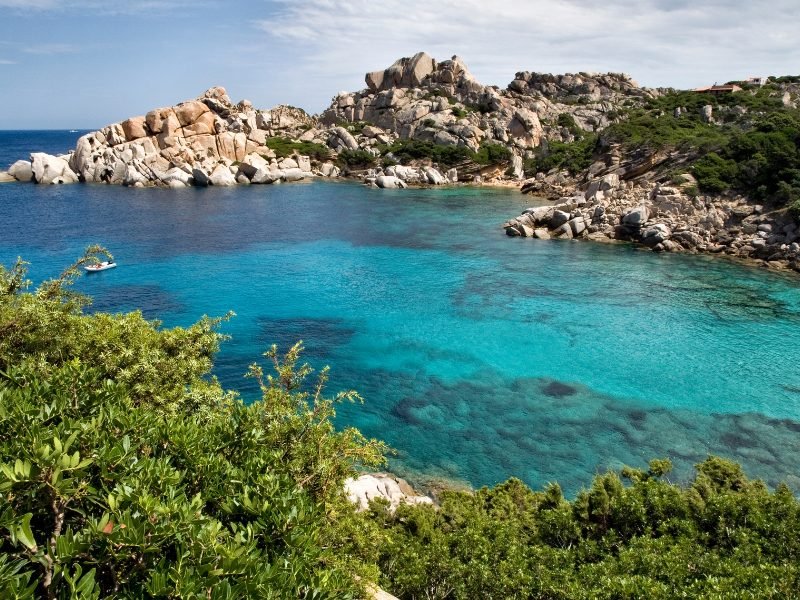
[
  {"x": 404, "y": 410},
  {"x": 794, "y": 389},
  {"x": 321, "y": 337},
  {"x": 557, "y": 389},
  {"x": 637, "y": 417},
  {"x": 154, "y": 301},
  {"x": 787, "y": 423},
  {"x": 735, "y": 440}
]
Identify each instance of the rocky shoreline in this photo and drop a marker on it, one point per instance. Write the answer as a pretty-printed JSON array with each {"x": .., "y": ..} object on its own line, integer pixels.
[
  {"x": 211, "y": 141},
  {"x": 664, "y": 218}
]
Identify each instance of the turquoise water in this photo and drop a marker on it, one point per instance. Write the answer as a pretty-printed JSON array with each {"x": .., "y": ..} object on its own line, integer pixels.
[{"x": 479, "y": 356}]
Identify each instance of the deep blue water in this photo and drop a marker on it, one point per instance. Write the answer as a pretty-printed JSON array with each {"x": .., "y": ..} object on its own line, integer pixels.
[{"x": 479, "y": 356}]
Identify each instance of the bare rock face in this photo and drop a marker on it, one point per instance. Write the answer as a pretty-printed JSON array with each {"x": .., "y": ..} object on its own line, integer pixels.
[
  {"x": 50, "y": 169},
  {"x": 166, "y": 146},
  {"x": 424, "y": 99},
  {"x": 21, "y": 171},
  {"x": 381, "y": 485}
]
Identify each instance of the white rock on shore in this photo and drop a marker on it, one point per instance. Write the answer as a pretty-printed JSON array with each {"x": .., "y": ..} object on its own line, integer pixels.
[
  {"x": 381, "y": 485},
  {"x": 49, "y": 169}
]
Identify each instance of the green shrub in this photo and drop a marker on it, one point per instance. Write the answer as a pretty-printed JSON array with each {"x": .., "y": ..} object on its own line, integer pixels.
[
  {"x": 285, "y": 147},
  {"x": 459, "y": 112},
  {"x": 406, "y": 151},
  {"x": 491, "y": 154},
  {"x": 723, "y": 536},
  {"x": 573, "y": 156},
  {"x": 356, "y": 159},
  {"x": 714, "y": 173},
  {"x": 109, "y": 491}
]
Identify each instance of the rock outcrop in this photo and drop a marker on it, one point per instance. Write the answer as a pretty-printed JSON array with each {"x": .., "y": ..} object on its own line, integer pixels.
[
  {"x": 381, "y": 485},
  {"x": 423, "y": 99},
  {"x": 206, "y": 141},
  {"x": 666, "y": 218}
]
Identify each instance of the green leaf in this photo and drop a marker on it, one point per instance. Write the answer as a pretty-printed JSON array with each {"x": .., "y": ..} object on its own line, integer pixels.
[{"x": 24, "y": 533}]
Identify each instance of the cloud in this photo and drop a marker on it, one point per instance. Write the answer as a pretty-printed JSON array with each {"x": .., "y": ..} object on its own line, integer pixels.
[
  {"x": 104, "y": 7},
  {"x": 665, "y": 42},
  {"x": 4, "y": 61},
  {"x": 48, "y": 49}
]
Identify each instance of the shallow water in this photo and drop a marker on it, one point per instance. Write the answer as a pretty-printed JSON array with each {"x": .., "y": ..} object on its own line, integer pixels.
[{"x": 479, "y": 356}]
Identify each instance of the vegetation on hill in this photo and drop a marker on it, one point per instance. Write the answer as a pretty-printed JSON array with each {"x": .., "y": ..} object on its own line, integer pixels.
[
  {"x": 126, "y": 471},
  {"x": 751, "y": 146}
]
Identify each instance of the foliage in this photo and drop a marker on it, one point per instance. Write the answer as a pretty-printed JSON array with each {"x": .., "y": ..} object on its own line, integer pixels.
[
  {"x": 356, "y": 159},
  {"x": 492, "y": 154},
  {"x": 573, "y": 156},
  {"x": 45, "y": 329},
  {"x": 459, "y": 112},
  {"x": 110, "y": 491},
  {"x": 167, "y": 486},
  {"x": 406, "y": 151},
  {"x": 722, "y": 537},
  {"x": 285, "y": 147},
  {"x": 752, "y": 147}
]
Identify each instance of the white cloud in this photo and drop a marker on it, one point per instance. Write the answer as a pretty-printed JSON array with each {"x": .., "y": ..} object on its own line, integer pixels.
[
  {"x": 4, "y": 61},
  {"x": 50, "y": 49},
  {"x": 662, "y": 42}
]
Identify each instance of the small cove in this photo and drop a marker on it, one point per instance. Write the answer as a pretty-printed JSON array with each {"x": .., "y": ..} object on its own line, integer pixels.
[{"x": 479, "y": 357}]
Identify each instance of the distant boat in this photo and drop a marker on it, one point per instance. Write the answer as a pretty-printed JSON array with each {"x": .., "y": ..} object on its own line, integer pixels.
[
  {"x": 73, "y": 131},
  {"x": 100, "y": 266}
]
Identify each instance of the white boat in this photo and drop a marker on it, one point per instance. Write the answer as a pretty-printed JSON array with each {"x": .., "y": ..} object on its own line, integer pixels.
[{"x": 100, "y": 266}]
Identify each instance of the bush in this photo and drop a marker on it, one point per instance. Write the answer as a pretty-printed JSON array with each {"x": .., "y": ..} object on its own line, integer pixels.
[
  {"x": 110, "y": 491},
  {"x": 356, "y": 159},
  {"x": 405, "y": 151},
  {"x": 574, "y": 156},
  {"x": 492, "y": 154},
  {"x": 723, "y": 536},
  {"x": 285, "y": 147}
]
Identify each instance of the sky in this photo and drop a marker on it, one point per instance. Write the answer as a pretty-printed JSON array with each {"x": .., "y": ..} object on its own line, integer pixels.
[{"x": 86, "y": 63}]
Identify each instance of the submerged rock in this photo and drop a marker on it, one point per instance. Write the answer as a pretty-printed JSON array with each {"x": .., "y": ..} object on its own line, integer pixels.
[{"x": 557, "y": 389}]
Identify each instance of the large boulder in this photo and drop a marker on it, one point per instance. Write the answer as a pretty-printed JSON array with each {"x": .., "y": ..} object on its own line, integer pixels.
[
  {"x": 656, "y": 234},
  {"x": 21, "y": 171},
  {"x": 405, "y": 72},
  {"x": 433, "y": 176},
  {"x": 266, "y": 175},
  {"x": 600, "y": 189},
  {"x": 389, "y": 182},
  {"x": 50, "y": 169},
  {"x": 342, "y": 139},
  {"x": 293, "y": 174},
  {"x": 221, "y": 175},
  {"x": 636, "y": 217},
  {"x": 134, "y": 128},
  {"x": 558, "y": 219}
]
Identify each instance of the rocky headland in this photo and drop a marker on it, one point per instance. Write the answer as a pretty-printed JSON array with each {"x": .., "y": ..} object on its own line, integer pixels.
[
  {"x": 427, "y": 122},
  {"x": 665, "y": 218}
]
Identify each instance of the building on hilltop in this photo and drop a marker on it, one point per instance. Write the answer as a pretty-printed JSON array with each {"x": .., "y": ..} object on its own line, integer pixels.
[{"x": 728, "y": 88}]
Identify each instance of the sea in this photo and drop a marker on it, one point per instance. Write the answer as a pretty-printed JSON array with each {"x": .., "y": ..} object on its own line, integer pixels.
[{"x": 479, "y": 357}]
